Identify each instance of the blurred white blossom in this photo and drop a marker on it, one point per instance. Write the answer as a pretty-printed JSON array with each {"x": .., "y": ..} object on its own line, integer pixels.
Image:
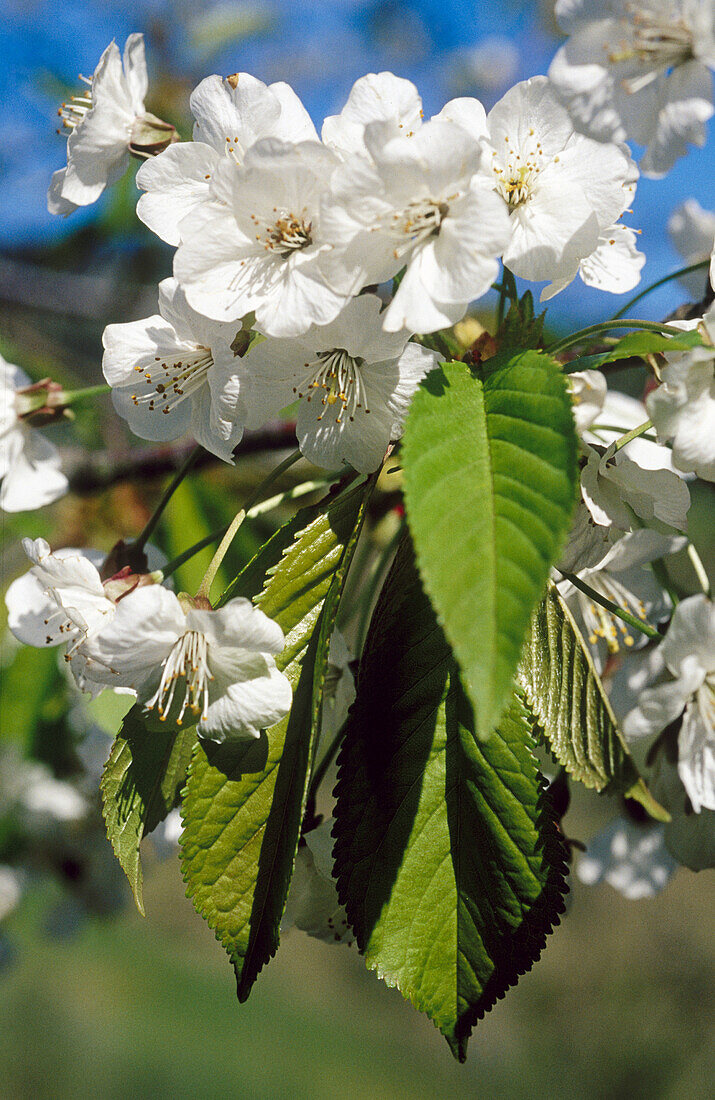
[
  {"x": 638, "y": 70},
  {"x": 29, "y": 463}
]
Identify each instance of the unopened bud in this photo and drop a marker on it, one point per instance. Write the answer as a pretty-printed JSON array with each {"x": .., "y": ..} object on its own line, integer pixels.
[{"x": 42, "y": 403}]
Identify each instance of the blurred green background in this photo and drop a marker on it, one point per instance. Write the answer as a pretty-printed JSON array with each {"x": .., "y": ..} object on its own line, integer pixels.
[{"x": 618, "y": 1006}]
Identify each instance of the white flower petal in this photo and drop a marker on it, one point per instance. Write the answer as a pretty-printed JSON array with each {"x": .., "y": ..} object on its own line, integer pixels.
[
  {"x": 239, "y": 625},
  {"x": 174, "y": 183},
  {"x": 696, "y": 754},
  {"x": 376, "y": 97},
  {"x": 248, "y": 706}
]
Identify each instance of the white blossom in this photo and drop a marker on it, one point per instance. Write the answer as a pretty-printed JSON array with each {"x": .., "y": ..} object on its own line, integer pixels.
[
  {"x": 619, "y": 576},
  {"x": 689, "y": 836},
  {"x": 687, "y": 688},
  {"x": 11, "y": 890},
  {"x": 29, "y": 463},
  {"x": 353, "y": 381},
  {"x": 588, "y": 390},
  {"x": 615, "y": 264},
  {"x": 313, "y": 904},
  {"x": 36, "y": 800},
  {"x": 564, "y": 193},
  {"x": 638, "y": 70},
  {"x": 630, "y": 857},
  {"x": 614, "y": 486},
  {"x": 231, "y": 114},
  {"x": 63, "y": 600},
  {"x": 256, "y": 245},
  {"x": 418, "y": 202},
  {"x": 692, "y": 231},
  {"x": 104, "y": 120},
  {"x": 175, "y": 373},
  {"x": 191, "y": 663},
  {"x": 376, "y": 97},
  {"x": 682, "y": 408}
]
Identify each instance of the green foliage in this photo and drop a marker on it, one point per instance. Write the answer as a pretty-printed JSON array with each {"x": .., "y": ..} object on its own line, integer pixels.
[
  {"x": 243, "y": 806},
  {"x": 490, "y": 476},
  {"x": 563, "y": 690},
  {"x": 448, "y": 859},
  {"x": 637, "y": 345},
  {"x": 145, "y": 770},
  {"x": 521, "y": 329}
]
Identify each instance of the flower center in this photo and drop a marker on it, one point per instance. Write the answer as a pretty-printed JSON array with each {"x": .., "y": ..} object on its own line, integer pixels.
[
  {"x": 418, "y": 221},
  {"x": 169, "y": 382},
  {"x": 73, "y": 113},
  {"x": 658, "y": 43},
  {"x": 286, "y": 235},
  {"x": 601, "y": 623},
  {"x": 517, "y": 174},
  {"x": 187, "y": 661},
  {"x": 337, "y": 374}
]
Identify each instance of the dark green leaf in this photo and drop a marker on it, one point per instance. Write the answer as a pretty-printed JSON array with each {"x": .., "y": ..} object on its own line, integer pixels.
[
  {"x": 145, "y": 769},
  {"x": 520, "y": 329},
  {"x": 563, "y": 690},
  {"x": 448, "y": 858},
  {"x": 490, "y": 476},
  {"x": 243, "y": 807}
]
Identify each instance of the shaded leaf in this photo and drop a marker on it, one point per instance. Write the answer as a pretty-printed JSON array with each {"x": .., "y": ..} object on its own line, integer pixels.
[
  {"x": 490, "y": 476},
  {"x": 563, "y": 690},
  {"x": 243, "y": 806},
  {"x": 146, "y": 768},
  {"x": 448, "y": 858}
]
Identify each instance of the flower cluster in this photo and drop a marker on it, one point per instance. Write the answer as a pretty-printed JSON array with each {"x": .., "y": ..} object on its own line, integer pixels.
[{"x": 312, "y": 274}]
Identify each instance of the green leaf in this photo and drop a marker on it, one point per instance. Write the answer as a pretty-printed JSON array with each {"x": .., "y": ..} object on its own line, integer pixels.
[
  {"x": 243, "y": 808},
  {"x": 563, "y": 690},
  {"x": 146, "y": 768},
  {"x": 490, "y": 477},
  {"x": 520, "y": 329},
  {"x": 448, "y": 858},
  {"x": 637, "y": 345}
]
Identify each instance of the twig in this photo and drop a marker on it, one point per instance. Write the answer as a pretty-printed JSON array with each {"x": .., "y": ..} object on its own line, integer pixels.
[{"x": 90, "y": 473}]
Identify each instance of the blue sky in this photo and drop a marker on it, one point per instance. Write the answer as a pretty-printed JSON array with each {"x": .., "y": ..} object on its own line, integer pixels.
[{"x": 320, "y": 47}]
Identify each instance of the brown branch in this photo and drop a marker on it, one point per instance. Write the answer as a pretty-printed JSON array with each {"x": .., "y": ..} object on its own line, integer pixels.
[{"x": 90, "y": 473}]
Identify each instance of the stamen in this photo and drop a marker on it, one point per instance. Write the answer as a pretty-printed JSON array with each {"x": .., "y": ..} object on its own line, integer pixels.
[
  {"x": 73, "y": 113},
  {"x": 660, "y": 44},
  {"x": 288, "y": 234},
  {"x": 516, "y": 177},
  {"x": 177, "y": 380},
  {"x": 418, "y": 221},
  {"x": 601, "y": 624},
  {"x": 338, "y": 374},
  {"x": 187, "y": 661}
]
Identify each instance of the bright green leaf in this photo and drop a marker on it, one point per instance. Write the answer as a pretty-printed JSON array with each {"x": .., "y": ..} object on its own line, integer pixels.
[
  {"x": 563, "y": 690},
  {"x": 448, "y": 858},
  {"x": 490, "y": 476},
  {"x": 638, "y": 345},
  {"x": 145, "y": 769},
  {"x": 243, "y": 808}
]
